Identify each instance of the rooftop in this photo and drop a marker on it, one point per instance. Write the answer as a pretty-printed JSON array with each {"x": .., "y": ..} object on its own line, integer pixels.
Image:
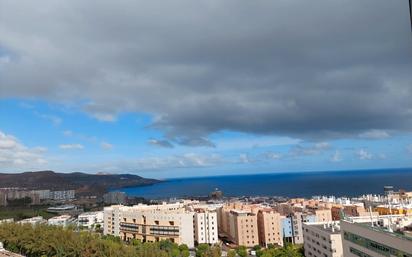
[{"x": 382, "y": 229}]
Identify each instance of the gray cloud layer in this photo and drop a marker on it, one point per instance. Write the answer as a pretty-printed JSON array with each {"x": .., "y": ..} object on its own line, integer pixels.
[{"x": 300, "y": 68}]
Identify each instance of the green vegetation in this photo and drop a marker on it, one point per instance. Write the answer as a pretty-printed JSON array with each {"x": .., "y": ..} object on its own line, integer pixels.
[
  {"x": 288, "y": 250},
  {"x": 43, "y": 240},
  {"x": 241, "y": 251},
  {"x": 231, "y": 253},
  {"x": 19, "y": 213},
  {"x": 204, "y": 250}
]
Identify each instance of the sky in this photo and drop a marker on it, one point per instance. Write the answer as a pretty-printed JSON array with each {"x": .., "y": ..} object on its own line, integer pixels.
[{"x": 196, "y": 88}]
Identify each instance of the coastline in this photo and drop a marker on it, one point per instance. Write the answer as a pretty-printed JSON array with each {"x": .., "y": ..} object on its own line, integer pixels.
[{"x": 299, "y": 184}]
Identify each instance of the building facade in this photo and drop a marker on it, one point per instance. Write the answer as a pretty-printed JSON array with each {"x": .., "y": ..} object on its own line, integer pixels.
[
  {"x": 205, "y": 227},
  {"x": 63, "y": 221},
  {"x": 322, "y": 239},
  {"x": 64, "y": 195},
  {"x": 363, "y": 239},
  {"x": 270, "y": 228},
  {"x": 114, "y": 198},
  {"x": 243, "y": 228},
  {"x": 150, "y": 223},
  {"x": 292, "y": 228},
  {"x": 90, "y": 219}
]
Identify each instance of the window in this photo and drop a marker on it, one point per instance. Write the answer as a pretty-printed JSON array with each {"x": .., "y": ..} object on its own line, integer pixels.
[
  {"x": 373, "y": 246},
  {"x": 358, "y": 253}
]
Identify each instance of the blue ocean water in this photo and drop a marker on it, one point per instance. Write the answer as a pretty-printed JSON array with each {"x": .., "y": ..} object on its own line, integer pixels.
[{"x": 303, "y": 184}]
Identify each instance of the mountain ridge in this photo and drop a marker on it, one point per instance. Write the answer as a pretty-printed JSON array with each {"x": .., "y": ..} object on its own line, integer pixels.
[{"x": 84, "y": 183}]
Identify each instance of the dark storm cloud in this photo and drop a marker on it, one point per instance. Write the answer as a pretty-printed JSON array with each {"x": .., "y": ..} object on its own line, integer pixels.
[{"x": 301, "y": 68}]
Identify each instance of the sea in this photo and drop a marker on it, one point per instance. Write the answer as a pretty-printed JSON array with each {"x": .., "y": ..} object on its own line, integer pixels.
[{"x": 297, "y": 184}]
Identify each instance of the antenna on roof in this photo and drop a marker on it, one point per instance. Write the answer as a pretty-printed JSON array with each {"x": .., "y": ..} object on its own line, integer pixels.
[{"x": 370, "y": 213}]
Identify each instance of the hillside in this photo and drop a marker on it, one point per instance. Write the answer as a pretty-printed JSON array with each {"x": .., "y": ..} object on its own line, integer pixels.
[{"x": 81, "y": 182}]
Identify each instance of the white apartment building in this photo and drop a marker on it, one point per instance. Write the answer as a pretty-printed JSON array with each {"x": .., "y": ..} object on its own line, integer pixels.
[
  {"x": 370, "y": 239},
  {"x": 151, "y": 223},
  {"x": 62, "y": 195},
  {"x": 205, "y": 225},
  {"x": 63, "y": 220},
  {"x": 90, "y": 219},
  {"x": 322, "y": 239},
  {"x": 33, "y": 221}
]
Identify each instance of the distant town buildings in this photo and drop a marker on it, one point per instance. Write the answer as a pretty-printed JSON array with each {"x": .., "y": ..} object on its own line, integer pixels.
[
  {"x": 64, "y": 195},
  {"x": 8, "y": 195},
  {"x": 114, "y": 198},
  {"x": 328, "y": 226}
]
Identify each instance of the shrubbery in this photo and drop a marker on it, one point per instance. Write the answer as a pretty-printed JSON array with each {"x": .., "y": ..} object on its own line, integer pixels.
[{"x": 43, "y": 240}]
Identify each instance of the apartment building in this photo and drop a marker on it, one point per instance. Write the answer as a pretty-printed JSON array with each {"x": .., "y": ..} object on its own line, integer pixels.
[
  {"x": 292, "y": 228},
  {"x": 323, "y": 214},
  {"x": 115, "y": 198},
  {"x": 33, "y": 221},
  {"x": 205, "y": 225},
  {"x": 63, "y": 195},
  {"x": 63, "y": 220},
  {"x": 394, "y": 209},
  {"x": 90, "y": 219},
  {"x": 250, "y": 224},
  {"x": 151, "y": 223},
  {"x": 243, "y": 228},
  {"x": 269, "y": 228},
  {"x": 43, "y": 194},
  {"x": 368, "y": 239},
  {"x": 322, "y": 239},
  {"x": 10, "y": 194}
]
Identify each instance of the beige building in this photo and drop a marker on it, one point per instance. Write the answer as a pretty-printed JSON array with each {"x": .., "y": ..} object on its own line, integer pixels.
[
  {"x": 243, "y": 228},
  {"x": 270, "y": 228},
  {"x": 250, "y": 224},
  {"x": 363, "y": 239},
  {"x": 322, "y": 239},
  {"x": 151, "y": 223},
  {"x": 323, "y": 215}
]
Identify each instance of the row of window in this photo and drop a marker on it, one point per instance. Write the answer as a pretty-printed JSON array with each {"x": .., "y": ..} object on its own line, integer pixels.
[
  {"x": 358, "y": 253},
  {"x": 373, "y": 246}
]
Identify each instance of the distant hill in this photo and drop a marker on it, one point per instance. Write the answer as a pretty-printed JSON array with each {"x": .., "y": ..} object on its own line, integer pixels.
[{"x": 81, "y": 182}]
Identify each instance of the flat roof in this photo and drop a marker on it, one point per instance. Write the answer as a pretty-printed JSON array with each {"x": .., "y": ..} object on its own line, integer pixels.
[{"x": 331, "y": 228}]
